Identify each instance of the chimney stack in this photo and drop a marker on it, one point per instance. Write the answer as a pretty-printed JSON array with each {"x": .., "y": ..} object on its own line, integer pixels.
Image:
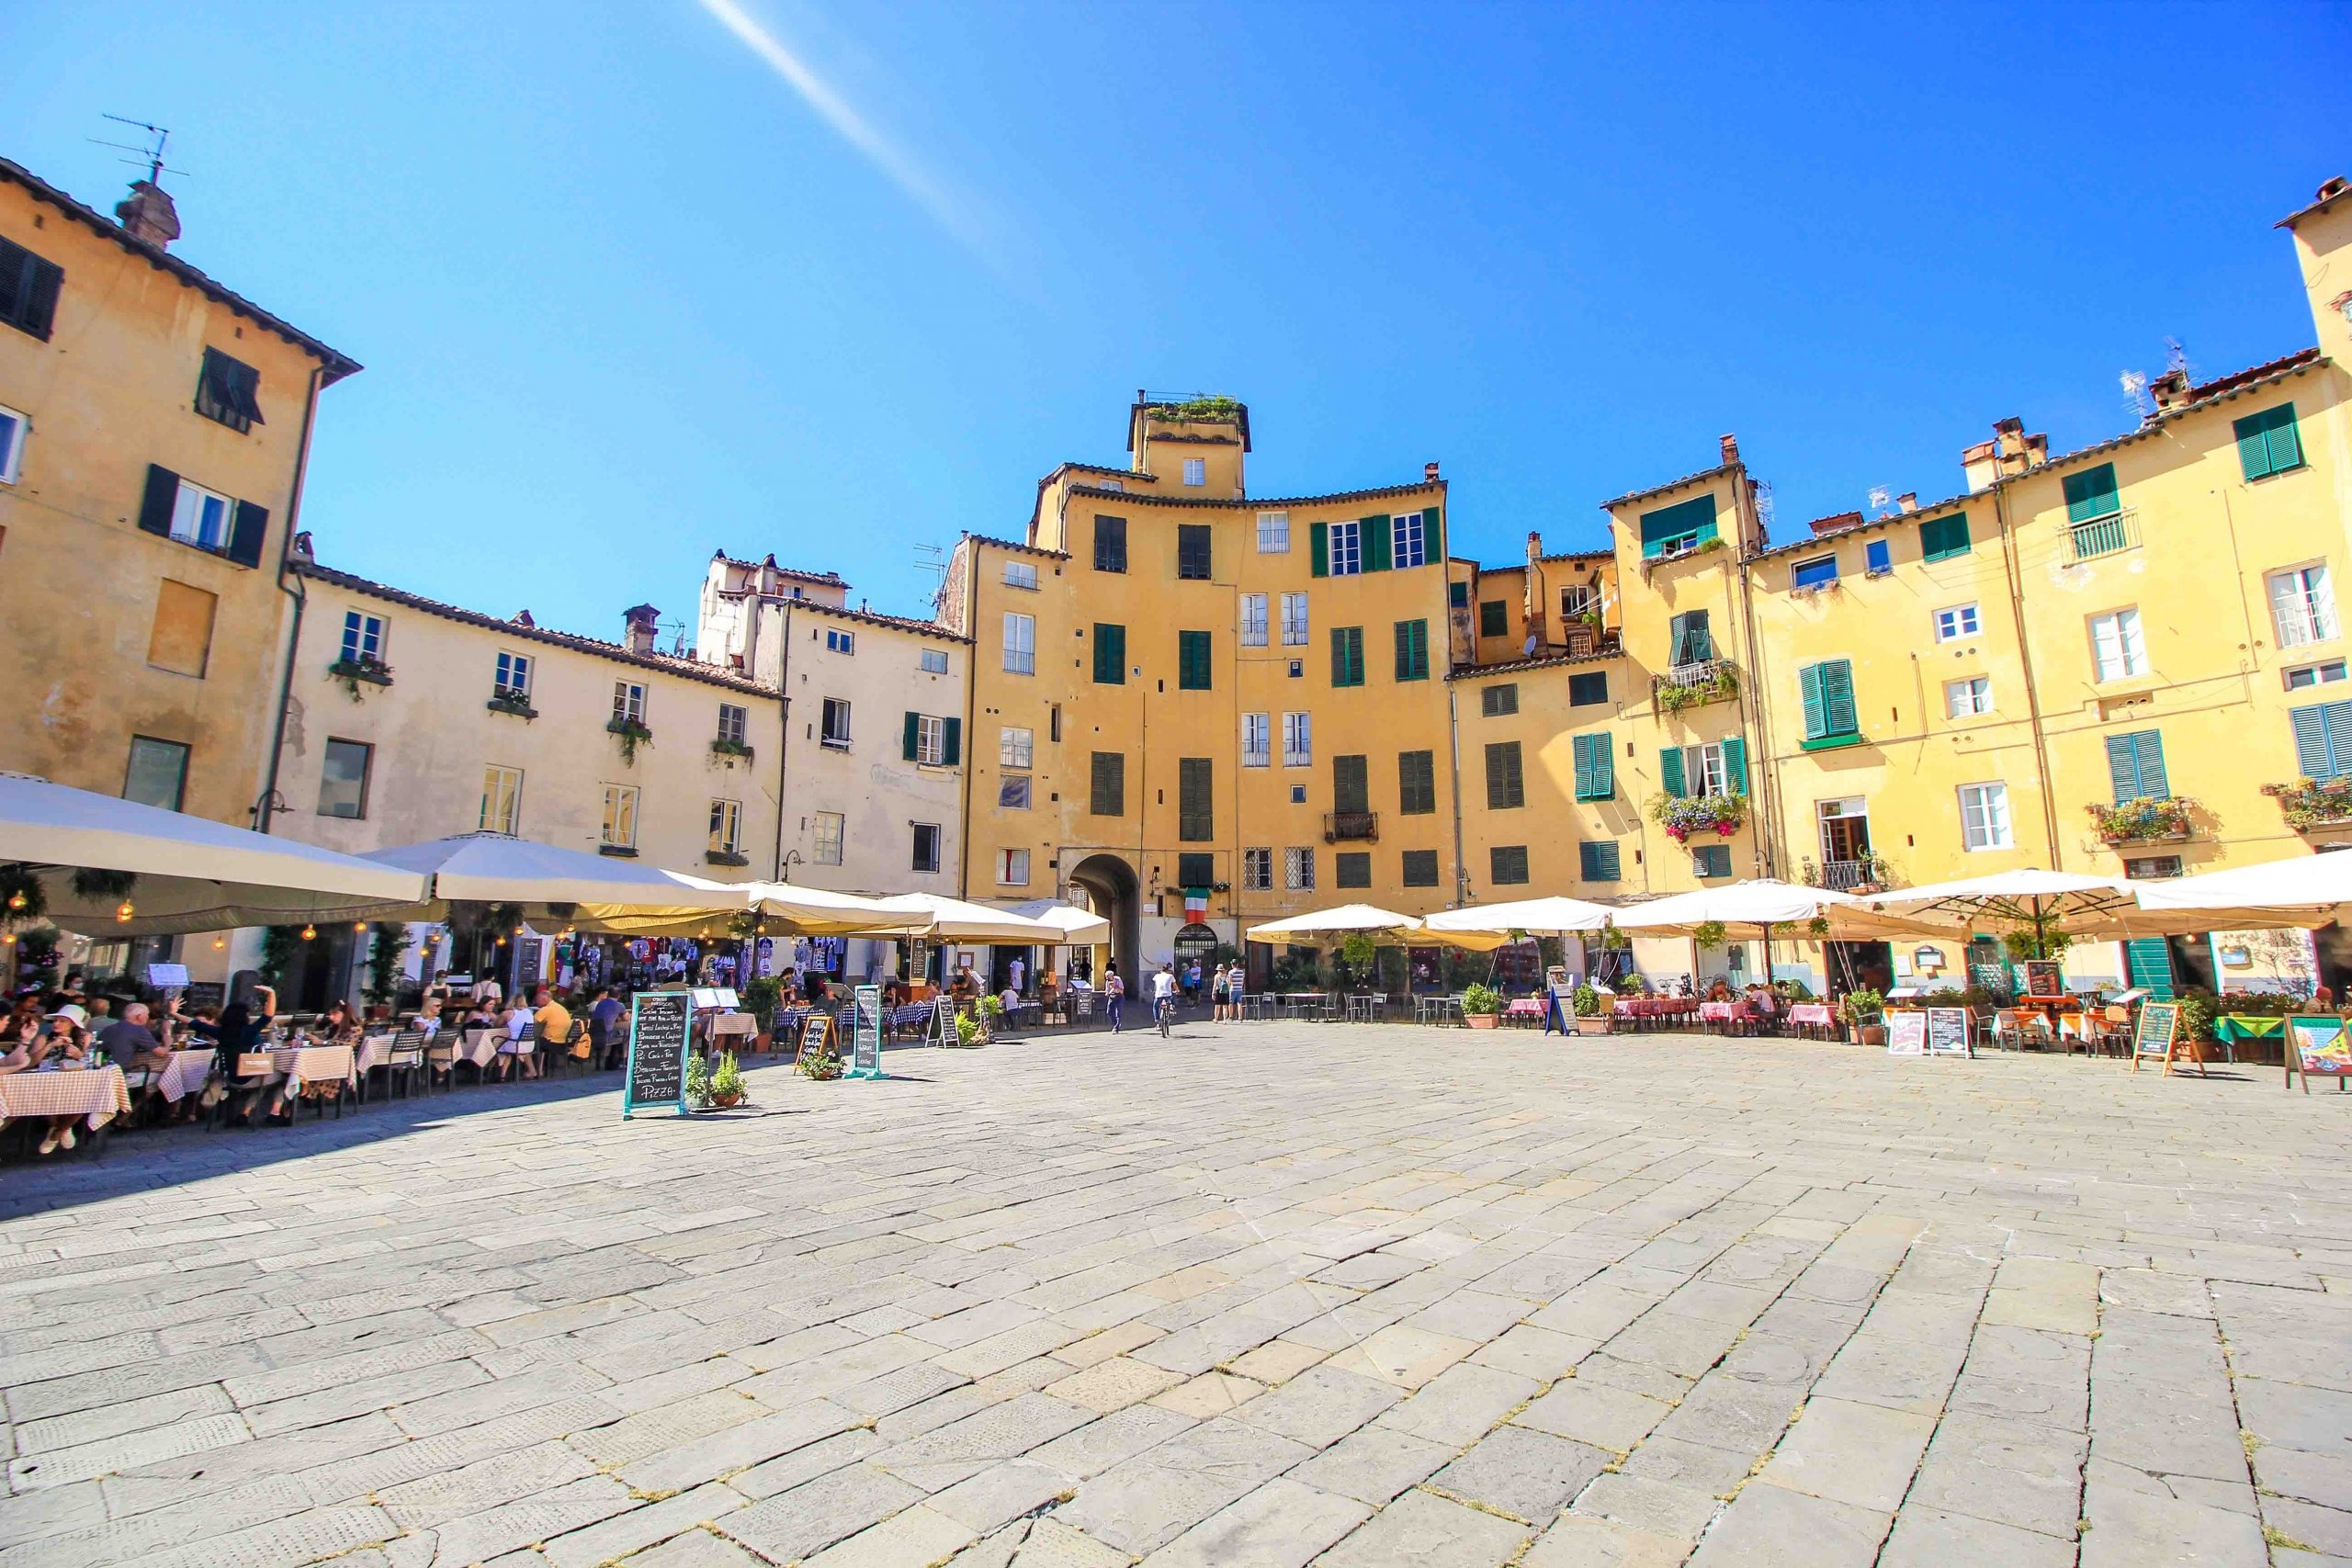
[
  {"x": 640, "y": 622},
  {"x": 2170, "y": 389},
  {"x": 2011, "y": 452},
  {"x": 148, "y": 214},
  {"x": 1907, "y": 501},
  {"x": 1731, "y": 450},
  {"x": 1429, "y": 473}
]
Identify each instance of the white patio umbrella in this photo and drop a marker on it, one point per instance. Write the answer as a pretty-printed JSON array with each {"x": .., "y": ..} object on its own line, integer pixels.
[
  {"x": 2304, "y": 890},
  {"x": 189, "y": 874},
  {"x": 782, "y": 909},
  {"x": 1763, "y": 903},
  {"x": 1537, "y": 916},
  {"x": 2026, "y": 900},
  {"x": 954, "y": 920},
  {"x": 1385, "y": 926},
  {"x": 497, "y": 868},
  {"x": 1080, "y": 927}
]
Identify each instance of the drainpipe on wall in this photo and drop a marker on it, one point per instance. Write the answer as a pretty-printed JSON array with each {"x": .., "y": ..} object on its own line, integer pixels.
[
  {"x": 972, "y": 726},
  {"x": 783, "y": 745},
  {"x": 269, "y": 801},
  {"x": 1765, "y": 773},
  {"x": 1453, "y": 754},
  {"x": 2025, "y": 665}
]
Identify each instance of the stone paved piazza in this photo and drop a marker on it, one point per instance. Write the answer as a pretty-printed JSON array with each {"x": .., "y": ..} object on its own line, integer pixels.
[{"x": 1264, "y": 1294}]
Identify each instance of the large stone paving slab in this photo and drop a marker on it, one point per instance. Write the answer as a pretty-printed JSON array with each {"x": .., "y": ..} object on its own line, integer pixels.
[{"x": 1261, "y": 1293}]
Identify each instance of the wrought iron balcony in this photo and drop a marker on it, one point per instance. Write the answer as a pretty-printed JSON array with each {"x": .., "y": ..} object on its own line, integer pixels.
[
  {"x": 1867, "y": 875},
  {"x": 1699, "y": 680},
  {"x": 2103, "y": 535},
  {"x": 1346, "y": 826}
]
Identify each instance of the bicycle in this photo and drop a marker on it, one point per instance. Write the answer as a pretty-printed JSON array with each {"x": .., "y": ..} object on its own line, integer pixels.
[{"x": 1166, "y": 1009}]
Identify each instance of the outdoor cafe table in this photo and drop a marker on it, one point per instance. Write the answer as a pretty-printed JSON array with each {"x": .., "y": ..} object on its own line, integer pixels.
[
  {"x": 307, "y": 1064},
  {"x": 186, "y": 1074},
  {"x": 97, "y": 1095},
  {"x": 1367, "y": 1008},
  {"x": 2230, "y": 1028},
  {"x": 1525, "y": 1006},
  {"x": 480, "y": 1046},
  {"x": 1812, "y": 1015},
  {"x": 728, "y": 1025}
]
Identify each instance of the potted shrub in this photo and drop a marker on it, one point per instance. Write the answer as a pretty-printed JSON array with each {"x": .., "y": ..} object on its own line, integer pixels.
[
  {"x": 1862, "y": 1010},
  {"x": 1482, "y": 1006},
  {"x": 968, "y": 1029},
  {"x": 1593, "y": 1014},
  {"x": 820, "y": 1064},
  {"x": 698, "y": 1082},
  {"x": 992, "y": 1016},
  {"x": 727, "y": 1083},
  {"x": 2143, "y": 818}
]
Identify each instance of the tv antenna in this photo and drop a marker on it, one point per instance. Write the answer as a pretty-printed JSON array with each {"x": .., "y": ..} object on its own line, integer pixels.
[
  {"x": 931, "y": 559},
  {"x": 151, "y": 154},
  {"x": 1880, "y": 496},
  {"x": 2135, "y": 392}
]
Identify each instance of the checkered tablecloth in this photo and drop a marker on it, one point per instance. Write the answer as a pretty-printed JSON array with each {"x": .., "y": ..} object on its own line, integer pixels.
[
  {"x": 186, "y": 1073},
  {"x": 97, "y": 1094},
  {"x": 314, "y": 1063}
]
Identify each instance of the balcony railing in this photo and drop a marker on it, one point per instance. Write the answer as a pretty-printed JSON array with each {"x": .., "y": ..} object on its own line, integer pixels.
[
  {"x": 1848, "y": 876},
  {"x": 1699, "y": 680},
  {"x": 1345, "y": 826},
  {"x": 2103, "y": 535}
]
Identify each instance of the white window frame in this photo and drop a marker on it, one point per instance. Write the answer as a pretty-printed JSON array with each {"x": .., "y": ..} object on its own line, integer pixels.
[
  {"x": 1702, "y": 769},
  {"x": 1196, "y": 470},
  {"x": 839, "y": 641},
  {"x": 1407, "y": 541},
  {"x": 619, "y": 830},
  {"x": 14, "y": 428},
  {"x": 501, "y": 799},
  {"x": 1809, "y": 563},
  {"x": 1273, "y": 533},
  {"x": 1576, "y": 598},
  {"x": 2326, "y": 672},
  {"x": 1016, "y": 747},
  {"x": 931, "y": 740},
  {"x": 1298, "y": 741},
  {"x": 1020, "y": 574},
  {"x": 1970, "y": 697},
  {"x": 727, "y": 827},
  {"x": 825, "y": 736},
  {"x": 934, "y": 661},
  {"x": 734, "y": 722},
  {"x": 629, "y": 700},
  {"x": 363, "y": 637},
  {"x": 195, "y": 509},
  {"x": 1253, "y": 620},
  {"x": 1298, "y": 869},
  {"x": 1257, "y": 739},
  {"x": 1294, "y": 620},
  {"x": 2131, "y": 645},
  {"x": 2302, "y": 605},
  {"x": 1991, "y": 828},
  {"x": 1013, "y": 868},
  {"x": 513, "y": 674},
  {"x": 830, "y": 831},
  {"x": 1956, "y": 622},
  {"x": 1343, "y": 549},
  {"x": 1020, "y": 643},
  {"x": 1257, "y": 870}
]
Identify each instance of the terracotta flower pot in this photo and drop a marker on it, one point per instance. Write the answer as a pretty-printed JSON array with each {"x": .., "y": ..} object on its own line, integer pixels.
[
  {"x": 1600, "y": 1023},
  {"x": 1481, "y": 1020}
]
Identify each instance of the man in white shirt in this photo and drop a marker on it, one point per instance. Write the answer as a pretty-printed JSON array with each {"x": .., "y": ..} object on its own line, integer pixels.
[
  {"x": 1163, "y": 990},
  {"x": 1020, "y": 971}
]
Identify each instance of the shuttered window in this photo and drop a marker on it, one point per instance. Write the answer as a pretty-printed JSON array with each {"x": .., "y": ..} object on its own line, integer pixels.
[
  {"x": 227, "y": 391},
  {"x": 1596, "y": 860},
  {"x": 1195, "y": 871},
  {"x": 1588, "y": 688},
  {"x": 1688, "y": 640},
  {"x": 1494, "y": 619},
  {"x": 1595, "y": 767},
  {"x": 1107, "y": 793},
  {"x": 1413, "y": 650},
  {"x": 1110, "y": 543},
  {"x": 1735, "y": 766},
  {"x": 2135, "y": 765},
  {"x": 1669, "y": 771},
  {"x": 1109, "y": 655},
  {"x": 1416, "y": 784},
  {"x": 2269, "y": 443},
  {"x": 1505, "y": 787},
  {"x": 1347, "y": 656},
  {"x": 2092, "y": 493},
  {"x": 29, "y": 289},
  {"x": 1828, "y": 690},
  {"x": 1711, "y": 860},
  {"x": 1420, "y": 868},
  {"x": 1507, "y": 865},
  {"x": 1195, "y": 815},
  {"x": 1191, "y": 661},
  {"x": 1940, "y": 538},
  {"x": 1193, "y": 551},
  {"x": 1351, "y": 784},
  {"x": 1352, "y": 868},
  {"x": 1493, "y": 702},
  {"x": 2324, "y": 739},
  {"x": 1675, "y": 530}
]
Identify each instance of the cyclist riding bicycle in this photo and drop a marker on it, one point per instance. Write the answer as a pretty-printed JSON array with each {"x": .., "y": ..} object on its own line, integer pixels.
[{"x": 1164, "y": 996}]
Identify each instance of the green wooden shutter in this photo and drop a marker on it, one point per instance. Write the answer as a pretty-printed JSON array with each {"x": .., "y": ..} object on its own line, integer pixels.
[
  {"x": 1942, "y": 538},
  {"x": 1596, "y": 860},
  {"x": 951, "y": 743},
  {"x": 2122, "y": 768},
  {"x": 2135, "y": 765},
  {"x": 162, "y": 494},
  {"x": 1736, "y": 765},
  {"x": 1351, "y": 783},
  {"x": 247, "y": 530},
  {"x": 913, "y": 745},
  {"x": 1413, "y": 650},
  {"x": 1109, "y": 655},
  {"x": 1376, "y": 534},
  {"x": 1195, "y": 815},
  {"x": 2091, "y": 494},
  {"x": 1817, "y": 710},
  {"x": 1669, "y": 771},
  {"x": 1319, "y": 547},
  {"x": 2286, "y": 442},
  {"x": 1838, "y": 695},
  {"x": 1604, "y": 767},
  {"x": 1580, "y": 748},
  {"x": 2253, "y": 447},
  {"x": 2311, "y": 758},
  {"x": 2147, "y": 961},
  {"x": 1433, "y": 534},
  {"x": 1193, "y": 661},
  {"x": 2269, "y": 443}
]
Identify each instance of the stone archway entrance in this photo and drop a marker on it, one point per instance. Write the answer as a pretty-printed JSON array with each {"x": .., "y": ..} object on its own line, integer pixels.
[{"x": 1112, "y": 888}]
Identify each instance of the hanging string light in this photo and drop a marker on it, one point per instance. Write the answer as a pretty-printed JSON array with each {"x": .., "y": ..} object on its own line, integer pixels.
[
  {"x": 310, "y": 931},
  {"x": 124, "y": 911},
  {"x": 220, "y": 943},
  {"x": 16, "y": 899}
]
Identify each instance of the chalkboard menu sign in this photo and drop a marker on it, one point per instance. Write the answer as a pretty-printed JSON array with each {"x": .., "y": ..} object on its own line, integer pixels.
[
  {"x": 1906, "y": 1033},
  {"x": 2044, "y": 978},
  {"x": 1947, "y": 1032},
  {"x": 2151, "y": 1035},
  {"x": 657, "y": 1053},
  {"x": 204, "y": 993},
  {"x": 865, "y": 1032}
]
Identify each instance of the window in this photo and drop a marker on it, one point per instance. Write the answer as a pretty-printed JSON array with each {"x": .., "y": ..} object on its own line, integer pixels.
[
  {"x": 1191, "y": 661},
  {"x": 1298, "y": 795},
  {"x": 2152, "y": 868},
  {"x": 1409, "y": 541},
  {"x": 1820, "y": 571},
  {"x": 932, "y": 741},
  {"x": 1294, "y": 620},
  {"x": 1689, "y": 639},
  {"x": 1273, "y": 533},
  {"x": 1020, "y": 643},
  {"x": 2092, "y": 493},
  {"x": 13, "y": 426},
  {"x": 1054, "y": 723},
  {"x": 1109, "y": 655},
  {"x": 1829, "y": 691},
  {"x": 1413, "y": 650},
  {"x": 1346, "y": 549},
  {"x": 926, "y": 846},
  {"x": 2135, "y": 765},
  {"x": 830, "y": 826},
  {"x": 363, "y": 637},
  {"x": 181, "y": 639},
  {"x": 840, "y": 642},
  {"x": 1110, "y": 543},
  {"x": 1587, "y": 689},
  {"x": 1985, "y": 817},
  {"x": 1192, "y": 552},
  {"x": 1347, "y": 656},
  {"x": 1257, "y": 870},
  {"x": 1579, "y": 599},
  {"x": 1506, "y": 788},
  {"x": 1298, "y": 870},
  {"x": 2303, "y": 605},
  {"x": 1711, "y": 860},
  {"x": 1596, "y": 766},
  {"x": 619, "y": 830},
  {"x": 501, "y": 799},
  {"x": 1196, "y": 470},
  {"x": 1416, "y": 784},
  {"x": 1351, "y": 868},
  {"x": 1493, "y": 702},
  {"x": 732, "y": 722},
  {"x": 2314, "y": 674},
  {"x": 1013, "y": 868},
  {"x": 1298, "y": 741},
  {"x": 201, "y": 518},
  {"x": 1457, "y": 595},
  {"x": 1494, "y": 619},
  {"x": 836, "y": 731},
  {"x": 1678, "y": 529},
  {"x": 1012, "y": 791},
  {"x": 1596, "y": 860},
  {"x": 1507, "y": 865},
  {"x": 29, "y": 289},
  {"x": 513, "y": 677},
  {"x": 1253, "y": 620},
  {"x": 1195, "y": 812},
  {"x": 1964, "y": 698},
  {"x": 2269, "y": 443},
  {"x": 226, "y": 390},
  {"x": 1712, "y": 768},
  {"x": 1942, "y": 538},
  {"x": 1194, "y": 870},
  {"x": 934, "y": 662},
  {"x": 1351, "y": 782},
  {"x": 343, "y": 778},
  {"x": 1956, "y": 622},
  {"x": 629, "y": 702},
  {"x": 1014, "y": 746},
  {"x": 157, "y": 775},
  {"x": 1877, "y": 559},
  {"x": 1107, "y": 793},
  {"x": 2117, "y": 649},
  {"x": 2322, "y": 740},
  {"x": 1020, "y": 574},
  {"x": 1257, "y": 744}
]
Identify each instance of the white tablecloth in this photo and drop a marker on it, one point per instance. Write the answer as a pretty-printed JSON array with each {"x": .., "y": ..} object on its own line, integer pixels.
[{"x": 95, "y": 1094}]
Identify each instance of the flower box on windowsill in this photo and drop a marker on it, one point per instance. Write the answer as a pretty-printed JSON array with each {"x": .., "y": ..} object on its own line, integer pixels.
[
  {"x": 2314, "y": 805},
  {"x": 513, "y": 703},
  {"x": 726, "y": 857},
  {"x": 352, "y": 672},
  {"x": 618, "y": 851},
  {"x": 2144, "y": 820},
  {"x": 732, "y": 749},
  {"x": 633, "y": 735}
]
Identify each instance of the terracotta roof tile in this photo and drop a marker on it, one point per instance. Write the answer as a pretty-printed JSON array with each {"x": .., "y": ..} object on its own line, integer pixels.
[{"x": 1261, "y": 503}]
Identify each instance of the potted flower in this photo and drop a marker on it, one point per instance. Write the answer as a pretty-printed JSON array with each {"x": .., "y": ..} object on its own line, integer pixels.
[
  {"x": 727, "y": 1083},
  {"x": 2310, "y": 804},
  {"x": 1593, "y": 1014},
  {"x": 1482, "y": 1006},
  {"x": 820, "y": 1064},
  {"x": 1862, "y": 1011},
  {"x": 2141, "y": 817},
  {"x": 992, "y": 1016},
  {"x": 1683, "y": 814}
]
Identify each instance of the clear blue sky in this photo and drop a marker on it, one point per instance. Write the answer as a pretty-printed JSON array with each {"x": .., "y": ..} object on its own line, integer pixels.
[{"x": 629, "y": 290}]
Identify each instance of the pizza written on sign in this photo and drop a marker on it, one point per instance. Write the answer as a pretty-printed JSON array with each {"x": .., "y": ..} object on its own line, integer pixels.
[{"x": 658, "y": 1043}]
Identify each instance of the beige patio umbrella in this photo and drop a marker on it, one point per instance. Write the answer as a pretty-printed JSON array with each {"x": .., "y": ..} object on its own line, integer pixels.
[
  {"x": 1385, "y": 926},
  {"x": 777, "y": 908},
  {"x": 2303, "y": 890},
  {"x": 1537, "y": 916},
  {"x": 2026, "y": 899},
  {"x": 1763, "y": 903},
  {"x": 941, "y": 918},
  {"x": 1080, "y": 927}
]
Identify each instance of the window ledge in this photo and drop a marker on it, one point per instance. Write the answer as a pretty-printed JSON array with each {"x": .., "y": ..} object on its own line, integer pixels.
[
  {"x": 1829, "y": 742},
  {"x": 618, "y": 851},
  {"x": 725, "y": 857}
]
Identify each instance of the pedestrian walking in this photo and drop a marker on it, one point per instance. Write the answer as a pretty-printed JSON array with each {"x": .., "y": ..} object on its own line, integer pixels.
[{"x": 1116, "y": 990}]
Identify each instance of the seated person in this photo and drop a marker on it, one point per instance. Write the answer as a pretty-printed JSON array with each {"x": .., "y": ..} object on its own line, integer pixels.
[{"x": 128, "y": 1043}]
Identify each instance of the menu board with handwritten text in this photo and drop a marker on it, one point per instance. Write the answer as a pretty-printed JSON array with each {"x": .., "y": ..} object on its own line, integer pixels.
[
  {"x": 656, "y": 1076},
  {"x": 1947, "y": 1032},
  {"x": 1906, "y": 1033}
]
